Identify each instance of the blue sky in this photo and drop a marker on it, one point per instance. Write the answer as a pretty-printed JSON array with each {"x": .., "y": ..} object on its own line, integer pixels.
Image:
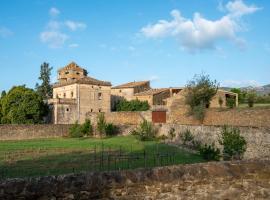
[{"x": 166, "y": 41}]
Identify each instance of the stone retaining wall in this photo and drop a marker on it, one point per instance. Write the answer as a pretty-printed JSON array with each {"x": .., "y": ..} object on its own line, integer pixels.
[
  {"x": 222, "y": 180},
  {"x": 258, "y": 139},
  {"x": 22, "y": 132}
]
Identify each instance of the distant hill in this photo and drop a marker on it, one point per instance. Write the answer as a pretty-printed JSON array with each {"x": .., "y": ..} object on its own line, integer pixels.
[{"x": 261, "y": 90}]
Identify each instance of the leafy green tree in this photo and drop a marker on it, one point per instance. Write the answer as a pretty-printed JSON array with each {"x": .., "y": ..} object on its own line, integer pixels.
[
  {"x": 234, "y": 145},
  {"x": 199, "y": 93},
  {"x": 45, "y": 89},
  {"x": 3, "y": 93},
  {"x": 87, "y": 128},
  {"x": 22, "y": 105},
  {"x": 251, "y": 98},
  {"x": 133, "y": 105},
  {"x": 241, "y": 94},
  {"x": 101, "y": 124}
]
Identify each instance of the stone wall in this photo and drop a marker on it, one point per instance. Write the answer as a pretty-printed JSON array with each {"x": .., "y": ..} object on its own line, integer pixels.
[
  {"x": 22, "y": 132},
  {"x": 258, "y": 139},
  {"x": 222, "y": 180},
  {"x": 249, "y": 117}
]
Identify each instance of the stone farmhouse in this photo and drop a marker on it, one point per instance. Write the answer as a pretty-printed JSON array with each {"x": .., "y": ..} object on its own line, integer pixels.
[{"x": 76, "y": 96}]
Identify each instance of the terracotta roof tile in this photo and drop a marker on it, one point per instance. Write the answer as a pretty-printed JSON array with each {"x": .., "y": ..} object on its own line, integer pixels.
[{"x": 131, "y": 84}]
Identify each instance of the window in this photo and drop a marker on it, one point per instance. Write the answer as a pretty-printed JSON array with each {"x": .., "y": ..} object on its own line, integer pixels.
[
  {"x": 64, "y": 95},
  {"x": 120, "y": 91},
  {"x": 67, "y": 109},
  {"x": 71, "y": 94},
  {"x": 99, "y": 96},
  {"x": 66, "y": 72},
  {"x": 99, "y": 110},
  {"x": 78, "y": 73},
  {"x": 91, "y": 110}
]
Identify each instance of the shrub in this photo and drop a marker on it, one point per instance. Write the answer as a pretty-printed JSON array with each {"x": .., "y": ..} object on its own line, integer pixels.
[
  {"x": 87, "y": 128},
  {"x": 145, "y": 131},
  {"x": 111, "y": 129},
  {"x": 231, "y": 103},
  {"x": 186, "y": 136},
  {"x": 171, "y": 133},
  {"x": 101, "y": 124},
  {"x": 251, "y": 97},
  {"x": 199, "y": 93},
  {"x": 75, "y": 130},
  {"x": 220, "y": 101},
  {"x": 234, "y": 145},
  {"x": 133, "y": 105},
  {"x": 209, "y": 152}
]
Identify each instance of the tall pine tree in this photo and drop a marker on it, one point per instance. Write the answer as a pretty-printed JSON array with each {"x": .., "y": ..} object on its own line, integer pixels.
[{"x": 45, "y": 89}]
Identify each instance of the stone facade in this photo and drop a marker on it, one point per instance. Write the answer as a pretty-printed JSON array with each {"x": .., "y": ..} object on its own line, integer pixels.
[
  {"x": 214, "y": 180},
  {"x": 76, "y": 94}
]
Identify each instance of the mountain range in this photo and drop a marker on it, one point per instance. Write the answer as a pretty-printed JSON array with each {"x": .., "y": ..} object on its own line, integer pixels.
[{"x": 260, "y": 90}]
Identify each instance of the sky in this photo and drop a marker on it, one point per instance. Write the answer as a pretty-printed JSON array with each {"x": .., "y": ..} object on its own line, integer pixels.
[{"x": 164, "y": 41}]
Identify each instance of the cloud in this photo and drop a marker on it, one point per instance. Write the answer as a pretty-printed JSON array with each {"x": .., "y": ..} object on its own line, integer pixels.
[
  {"x": 239, "y": 8},
  {"x": 5, "y": 32},
  {"x": 54, "y": 39},
  {"x": 72, "y": 25},
  {"x": 74, "y": 45},
  {"x": 154, "y": 78},
  {"x": 240, "y": 83},
  {"x": 54, "y": 12},
  {"x": 56, "y": 33},
  {"x": 200, "y": 33}
]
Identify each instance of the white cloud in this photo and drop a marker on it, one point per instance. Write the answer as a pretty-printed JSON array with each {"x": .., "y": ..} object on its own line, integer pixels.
[
  {"x": 72, "y": 25},
  {"x": 240, "y": 83},
  {"x": 5, "y": 32},
  {"x": 56, "y": 32},
  {"x": 74, "y": 45},
  {"x": 239, "y": 8},
  {"x": 54, "y": 12},
  {"x": 54, "y": 39},
  {"x": 153, "y": 78},
  {"x": 200, "y": 33}
]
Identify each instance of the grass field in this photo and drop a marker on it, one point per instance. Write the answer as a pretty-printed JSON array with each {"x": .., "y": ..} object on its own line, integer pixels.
[
  {"x": 256, "y": 105},
  {"x": 65, "y": 155}
]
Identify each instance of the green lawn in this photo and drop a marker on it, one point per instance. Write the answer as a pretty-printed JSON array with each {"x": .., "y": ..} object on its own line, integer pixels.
[{"x": 65, "y": 155}]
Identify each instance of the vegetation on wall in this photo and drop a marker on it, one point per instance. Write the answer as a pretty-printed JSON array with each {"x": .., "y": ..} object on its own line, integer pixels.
[
  {"x": 145, "y": 132},
  {"x": 234, "y": 145},
  {"x": 77, "y": 130},
  {"x": 105, "y": 128},
  {"x": 22, "y": 105},
  {"x": 199, "y": 93},
  {"x": 45, "y": 90},
  {"x": 231, "y": 102},
  {"x": 209, "y": 152},
  {"x": 133, "y": 105}
]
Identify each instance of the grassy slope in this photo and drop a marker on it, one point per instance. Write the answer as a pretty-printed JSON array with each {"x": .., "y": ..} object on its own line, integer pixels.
[{"x": 65, "y": 155}]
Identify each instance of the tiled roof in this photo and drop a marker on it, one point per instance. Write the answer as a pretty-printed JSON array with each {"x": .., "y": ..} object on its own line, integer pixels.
[
  {"x": 131, "y": 84},
  {"x": 72, "y": 65},
  {"x": 85, "y": 80},
  {"x": 152, "y": 92}
]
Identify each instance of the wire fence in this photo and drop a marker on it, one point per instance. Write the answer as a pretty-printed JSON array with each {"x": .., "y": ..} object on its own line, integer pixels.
[{"x": 47, "y": 161}]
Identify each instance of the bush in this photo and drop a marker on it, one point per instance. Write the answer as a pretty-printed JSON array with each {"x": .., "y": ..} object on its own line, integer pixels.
[
  {"x": 87, "y": 128},
  {"x": 111, "y": 129},
  {"x": 101, "y": 124},
  {"x": 199, "y": 93},
  {"x": 75, "y": 130},
  {"x": 186, "y": 136},
  {"x": 251, "y": 98},
  {"x": 220, "y": 101},
  {"x": 171, "y": 133},
  {"x": 209, "y": 152},
  {"x": 145, "y": 131},
  {"x": 231, "y": 103},
  {"x": 234, "y": 145},
  {"x": 133, "y": 105}
]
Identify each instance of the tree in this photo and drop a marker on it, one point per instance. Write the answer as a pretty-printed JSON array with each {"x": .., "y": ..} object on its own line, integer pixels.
[
  {"x": 241, "y": 94},
  {"x": 45, "y": 89},
  {"x": 251, "y": 98},
  {"x": 133, "y": 105},
  {"x": 22, "y": 105},
  {"x": 3, "y": 93},
  {"x": 199, "y": 93}
]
